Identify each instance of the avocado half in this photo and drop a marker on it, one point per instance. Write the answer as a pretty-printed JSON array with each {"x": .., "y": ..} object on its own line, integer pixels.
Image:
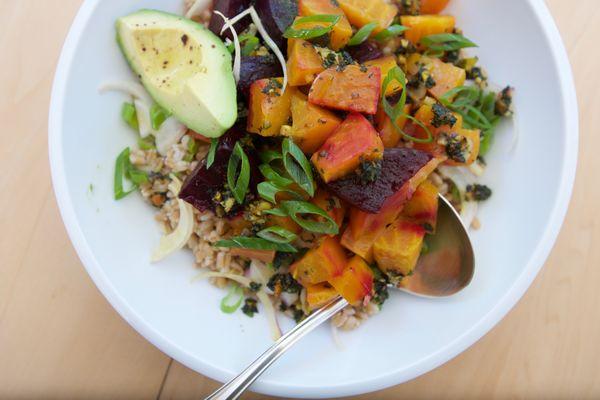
[{"x": 185, "y": 68}]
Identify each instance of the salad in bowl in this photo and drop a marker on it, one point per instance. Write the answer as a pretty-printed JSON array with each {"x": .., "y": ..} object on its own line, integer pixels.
[{"x": 299, "y": 148}]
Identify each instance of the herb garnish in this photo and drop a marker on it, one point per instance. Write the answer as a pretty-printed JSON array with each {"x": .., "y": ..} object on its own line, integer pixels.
[
  {"x": 311, "y": 33},
  {"x": 297, "y": 166},
  {"x": 244, "y": 242},
  {"x": 125, "y": 170},
  {"x": 397, "y": 111},
  {"x": 446, "y": 42},
  {"x": 300, "y": 210},
  {"x": 238, "y": 183},
  {"x": 362, "y": 34}
]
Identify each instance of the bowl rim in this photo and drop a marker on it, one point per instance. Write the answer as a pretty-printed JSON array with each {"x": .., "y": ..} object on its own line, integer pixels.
[{"x": 444, "y": 354}]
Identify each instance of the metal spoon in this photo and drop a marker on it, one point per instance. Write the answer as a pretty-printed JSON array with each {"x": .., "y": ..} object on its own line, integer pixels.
[{"x": 446, "y": 269}]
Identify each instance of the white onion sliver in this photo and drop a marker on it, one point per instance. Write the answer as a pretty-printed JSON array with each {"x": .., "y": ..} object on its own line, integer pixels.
[
  {"x": 177, "y": 239},
  {"x": 134, "y": 89},
  {"x": 270, "y": 313},
  {"x": 271, "y": 44},
  {"x": 336, "y": 337},
  {"x": 469, "y": 212},
  {"x": 262, "y": 296},
  {"x": 197, "y": 8},
  {"x": 476, "y": 169},
  {"x": 237, "y": 58},
  {"x": 171, "y": 131},
  {"x": 142, "y": 110},
  {"x": 175, "y": 185},
  {"x": 236, "y": 19}
]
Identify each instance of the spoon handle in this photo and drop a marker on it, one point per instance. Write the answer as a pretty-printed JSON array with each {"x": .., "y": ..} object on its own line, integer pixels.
[{"x": 238, "y": 385}]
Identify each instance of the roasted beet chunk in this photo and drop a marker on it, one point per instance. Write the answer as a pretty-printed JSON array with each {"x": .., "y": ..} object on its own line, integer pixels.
[
  {"x": 364, "y": 52},
  {"x": 229, "y": 8},
  {"x": 277, "y": 16},
  {"x": 399, "y": 166},
  {"x": 254, "y": 68},
  {"x": 206, "y": 189}
]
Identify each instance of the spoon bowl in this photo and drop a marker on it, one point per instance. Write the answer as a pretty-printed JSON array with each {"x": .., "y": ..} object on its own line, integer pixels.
[{"x": 449, "y": 263}]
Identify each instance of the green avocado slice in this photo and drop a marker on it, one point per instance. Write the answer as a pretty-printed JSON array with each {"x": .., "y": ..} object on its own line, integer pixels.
[{"x": 185, "y": 68}]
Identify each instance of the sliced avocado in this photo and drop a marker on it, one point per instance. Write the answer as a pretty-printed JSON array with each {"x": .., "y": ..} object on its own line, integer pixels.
[{"x": 185, "y": 68}]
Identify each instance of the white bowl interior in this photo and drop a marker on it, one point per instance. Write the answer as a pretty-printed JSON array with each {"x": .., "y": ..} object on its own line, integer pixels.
[{"x": 531, "y": 184}]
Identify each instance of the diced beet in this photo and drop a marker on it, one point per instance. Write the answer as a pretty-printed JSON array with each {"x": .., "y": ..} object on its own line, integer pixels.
[
  {"x": 398, "y": 167},
  {"x": 277, "y": 16},
  {"x": 229, "y": 8},
  {"x": 254, "y": 68},
  {"x": 365, "y": 51},
  {"x": 202, "y": 184}
]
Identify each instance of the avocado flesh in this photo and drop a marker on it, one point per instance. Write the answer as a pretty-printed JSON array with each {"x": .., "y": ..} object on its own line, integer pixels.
[{"x": 185, "y": 68}]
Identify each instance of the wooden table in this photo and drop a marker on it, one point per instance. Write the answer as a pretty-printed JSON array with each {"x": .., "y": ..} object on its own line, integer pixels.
[{"x": 59, "y": 338}]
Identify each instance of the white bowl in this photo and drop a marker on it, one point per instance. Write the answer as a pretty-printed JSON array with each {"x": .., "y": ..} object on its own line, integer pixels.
[{"x": 532, "y": 184}]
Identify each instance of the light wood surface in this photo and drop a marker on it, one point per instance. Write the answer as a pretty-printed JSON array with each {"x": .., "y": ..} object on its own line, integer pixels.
[{"x": 59, "y": 338}]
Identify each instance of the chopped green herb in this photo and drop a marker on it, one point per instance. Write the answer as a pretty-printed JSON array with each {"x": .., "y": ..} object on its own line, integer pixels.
[
  {"x": 380, "y": 286},
  {"x": 250, "y": 307},
  {"x": 369, "y": 171},
  {"x": 478, "y": 192},
  {"x": 442, "y": 116},
  {"x": 284, "y": 283},
  {"x": 255, "y": 286}
]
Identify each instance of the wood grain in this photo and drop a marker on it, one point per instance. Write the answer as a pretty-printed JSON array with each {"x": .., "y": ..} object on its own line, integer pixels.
[{"x": 59, "y": 338}]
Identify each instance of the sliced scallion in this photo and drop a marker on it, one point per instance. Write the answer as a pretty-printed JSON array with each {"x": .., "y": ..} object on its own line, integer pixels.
[
  {"x": 299, "y": 211},
  {"x": 270, "y": 190},
  {"x": 391, "y": 31},
  {"x": 446, "y": 42},
  {"x": 297, "y": 166},
  {"x": 147, "y": 143},
  {"x": 124, "y": 170},
  {"x": 311, "y": 33},
  {"x": 273, "y": 176},
  {"x": 158, "y": 115},
  {"x": 277, "y": 234},
  {"x": 397, "y": 111},
  {"x": 362, "y": 34},
  {"x": 233, "y": 300},
  {"x": 253, "y": 243},
  {"x": 210, "y": 158},
  {"x": 238, "y": 182},
  {"x": 192, "y": 149},
  {"x": 129, "y": 115},
  {"x": 269, "y": 156}
]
